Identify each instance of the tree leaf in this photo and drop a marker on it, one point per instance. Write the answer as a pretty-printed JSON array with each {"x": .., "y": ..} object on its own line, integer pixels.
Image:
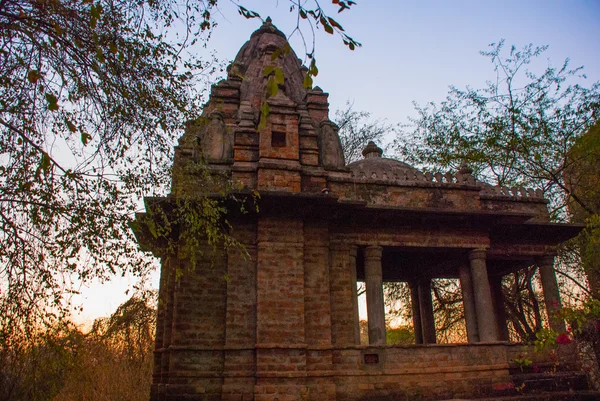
[
  {"x": 100, "y": 55},
  {"x": 33, "y": 76},
  {"x": 268, "y": 70},
  {"x": 275, "y": 54},
  {"x": 308, "y": 82},
  {"x": 272, "y": 87},
  {"x": 44, "y": 162},
  {"x": 264, "y": 114},
  {"x": 71, "y": 126},
  {"x": 85, "y": 138},
  {"x": 279, "y": 77},
  {"x": 326, "y": 25},
  {"x": 335, "y": 23},
  {"x": 52, "y": 101},
  {"x": 313, "y": 70}
]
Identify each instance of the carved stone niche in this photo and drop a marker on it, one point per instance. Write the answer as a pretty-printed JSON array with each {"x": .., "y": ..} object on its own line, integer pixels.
[
  {"x": 216, "y": 141},
  {"x": 331, "y": 156}
]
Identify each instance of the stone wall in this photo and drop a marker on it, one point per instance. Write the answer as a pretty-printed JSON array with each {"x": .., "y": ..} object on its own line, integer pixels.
[
  {"x": 275, "y": 321},
  {"x": 420, "y": 371}
]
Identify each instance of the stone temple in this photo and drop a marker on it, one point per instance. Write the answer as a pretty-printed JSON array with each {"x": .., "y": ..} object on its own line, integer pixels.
[{"x": 278, "y": 320}]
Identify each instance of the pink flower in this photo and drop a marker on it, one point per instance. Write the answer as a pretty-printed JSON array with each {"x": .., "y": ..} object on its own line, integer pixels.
[
  {"x": 536, "y": 368},
  {"x": 598, "y": 325},
  {"x": 564, "y": 339}
]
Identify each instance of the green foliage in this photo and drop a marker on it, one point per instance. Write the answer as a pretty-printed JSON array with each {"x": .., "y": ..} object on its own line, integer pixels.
[
  {"x": 522, "y": 362},
  {"x": 579, "y": 318},
  {"x": 319, "y": 17},
  {"x": 403, "y": 335},
  {"x": 545, "y": 339},
  {"x": 583, "y": 179}
]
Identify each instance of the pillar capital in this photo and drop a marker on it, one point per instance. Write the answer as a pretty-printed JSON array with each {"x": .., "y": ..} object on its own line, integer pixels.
[
  {"x": 373, "y": 252},
  {"x": 478, "y": 253}
]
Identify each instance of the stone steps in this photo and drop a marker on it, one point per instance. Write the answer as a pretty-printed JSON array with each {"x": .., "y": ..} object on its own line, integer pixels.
[
  {"x": 548, "y": 382},
  {"x": 545, "y": 384},
  {"x": 579, "y": 395}
]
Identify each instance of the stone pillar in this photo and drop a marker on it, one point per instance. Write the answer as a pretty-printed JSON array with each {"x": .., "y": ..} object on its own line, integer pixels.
[
  {"x": 486, "y": 318},
  {"x": 466, "y": 286},
  {"x": 375, "y": 305},
  {"x": 416, "y": 313},
  {"x": 551, "y": 293},
  {"x": 426, "y": 308},
  {"x": 498, "y": 301},
  {"x": 352, "y": 262}
]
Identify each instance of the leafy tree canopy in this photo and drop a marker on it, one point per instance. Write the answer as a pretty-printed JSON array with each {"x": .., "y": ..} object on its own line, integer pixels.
[
  {"x": 516, "y": 130},
  {"x": 93, "y": 94}
]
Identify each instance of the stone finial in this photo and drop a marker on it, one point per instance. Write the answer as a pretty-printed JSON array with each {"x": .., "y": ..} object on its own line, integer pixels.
[
  {"x": 372, "y": 150},
  {"x": 268, "y": 27},
  {"x": 465, "y": 169}
]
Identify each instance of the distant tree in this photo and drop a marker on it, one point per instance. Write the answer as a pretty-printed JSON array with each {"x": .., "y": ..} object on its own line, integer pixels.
[
  {"x": 93, "y": 95},
  {"x": 36, "y": 369},
  {"x": 116, "y": 362},
  {"x": 356, "y": 129},
  {"x": 447, "y": 307},
  {"x": 364, "y": 332},
  {"x": 400, "y": 335},
  {"x": 111, "y": 362},
  {"x": 522, "y": 305}
]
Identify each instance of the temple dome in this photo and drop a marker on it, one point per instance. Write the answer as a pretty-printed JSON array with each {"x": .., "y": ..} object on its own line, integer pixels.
[{"x": 373, "y": 166}]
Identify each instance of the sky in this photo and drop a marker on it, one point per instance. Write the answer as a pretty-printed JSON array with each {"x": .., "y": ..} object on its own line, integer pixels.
[{"x": 412, "y": 51}]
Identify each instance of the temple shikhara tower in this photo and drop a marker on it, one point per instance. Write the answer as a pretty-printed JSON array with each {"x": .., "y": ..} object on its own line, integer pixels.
[{"x": 278, "y": 318}]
